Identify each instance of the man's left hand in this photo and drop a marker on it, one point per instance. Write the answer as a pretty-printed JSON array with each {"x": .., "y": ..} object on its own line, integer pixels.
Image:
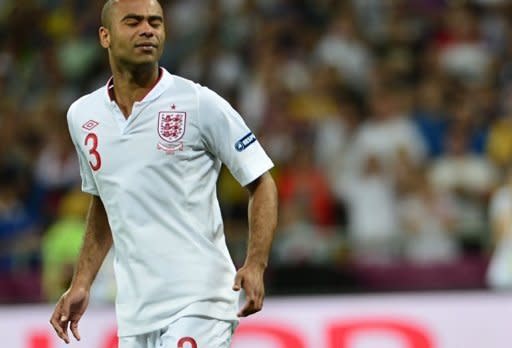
[{"x": 250, "y": 278}]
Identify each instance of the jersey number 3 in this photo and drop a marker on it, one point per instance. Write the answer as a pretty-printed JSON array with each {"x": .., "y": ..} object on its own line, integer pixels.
[
  {"x": 187, "y": 342},
  {"x": 91, "y": 141}
]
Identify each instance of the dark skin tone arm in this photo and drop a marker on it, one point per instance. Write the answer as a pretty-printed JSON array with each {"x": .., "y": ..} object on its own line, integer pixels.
[
  {"x": 97, "y": 242},
  {"x": 262, "y": 213}
]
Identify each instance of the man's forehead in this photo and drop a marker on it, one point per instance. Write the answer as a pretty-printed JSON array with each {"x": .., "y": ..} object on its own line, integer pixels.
[{"x": 139, "y": 7}]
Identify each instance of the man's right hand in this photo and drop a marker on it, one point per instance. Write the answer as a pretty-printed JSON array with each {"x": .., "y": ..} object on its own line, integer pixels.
[{"x": 68, "y": 311}]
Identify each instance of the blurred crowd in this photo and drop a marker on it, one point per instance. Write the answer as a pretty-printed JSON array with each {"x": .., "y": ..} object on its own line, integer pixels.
[{"x": 389, "y": 121}]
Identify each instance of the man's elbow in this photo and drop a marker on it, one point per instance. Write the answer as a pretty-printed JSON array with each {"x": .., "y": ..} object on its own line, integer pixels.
[{"x": 264, "y": 183}]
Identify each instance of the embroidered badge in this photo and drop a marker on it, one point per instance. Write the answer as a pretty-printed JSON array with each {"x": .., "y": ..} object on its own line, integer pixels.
[
  {"x": 171, "y": 128},
  {"x": 245, "y": 142}
]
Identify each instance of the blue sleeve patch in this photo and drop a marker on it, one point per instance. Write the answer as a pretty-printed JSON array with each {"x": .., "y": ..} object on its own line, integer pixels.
[{"x": 245, "y": 142}]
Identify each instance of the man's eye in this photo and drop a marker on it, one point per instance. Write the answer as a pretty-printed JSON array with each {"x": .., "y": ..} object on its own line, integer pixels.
[{"x": 131, "y": 23}]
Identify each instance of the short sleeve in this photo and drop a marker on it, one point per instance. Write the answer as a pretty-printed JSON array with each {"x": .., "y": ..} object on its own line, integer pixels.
[
  {"x": 88, "y": 183},
  {"x": 225, "y": 135}
]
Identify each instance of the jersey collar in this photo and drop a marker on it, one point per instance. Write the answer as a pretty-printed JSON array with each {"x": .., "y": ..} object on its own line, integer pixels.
[{"x": 163, "y": 82}]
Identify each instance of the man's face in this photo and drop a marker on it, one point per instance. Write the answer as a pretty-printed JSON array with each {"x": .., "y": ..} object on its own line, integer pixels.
[{"x": 136, "y": 32}]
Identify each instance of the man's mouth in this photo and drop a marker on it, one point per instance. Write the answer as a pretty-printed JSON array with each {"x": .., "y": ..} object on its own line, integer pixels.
[{"x": 146, "y": 45}]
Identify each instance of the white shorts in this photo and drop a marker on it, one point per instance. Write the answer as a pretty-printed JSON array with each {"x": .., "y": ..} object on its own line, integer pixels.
[{"x": 186, "y": 332}]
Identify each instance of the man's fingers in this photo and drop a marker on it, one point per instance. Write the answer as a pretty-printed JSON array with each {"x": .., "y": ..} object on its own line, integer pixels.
[
  {"x": 74, "y": 329},
  {"x": 254, "y": 292},
  {"x": 60, "y": 327},
  {"x": 238, "y": 282},
  {"x": 59, "y": 321},
  {"x": 252, "y": 305},
  {"x": 64, "y": 328},
  {"x": 247, "y": 309},
  {"x": 259, "y": 303}
]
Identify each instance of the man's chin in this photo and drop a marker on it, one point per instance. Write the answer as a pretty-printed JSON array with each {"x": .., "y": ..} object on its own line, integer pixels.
[
  {"x": 141, "y": 61},
  {"x": 146, "y": 59}
]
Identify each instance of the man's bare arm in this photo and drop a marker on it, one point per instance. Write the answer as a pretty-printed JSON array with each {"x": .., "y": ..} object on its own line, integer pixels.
[
  {"x": 96, "y": 244},
  {"x": 262, "y": 214},
  {"x": 262, "y": 220}
]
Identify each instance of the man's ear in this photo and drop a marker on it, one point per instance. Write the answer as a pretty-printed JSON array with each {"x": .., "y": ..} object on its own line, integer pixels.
[{"x": 104, "y": 35}]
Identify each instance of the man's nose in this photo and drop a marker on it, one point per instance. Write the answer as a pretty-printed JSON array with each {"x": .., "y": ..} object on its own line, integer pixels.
[
  {"x": 147, "y": 34},
  {"x": 147, "y": 30}
]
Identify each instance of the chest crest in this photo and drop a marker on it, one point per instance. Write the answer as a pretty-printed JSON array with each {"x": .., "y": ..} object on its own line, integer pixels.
[{"x": 171, "y": 128}]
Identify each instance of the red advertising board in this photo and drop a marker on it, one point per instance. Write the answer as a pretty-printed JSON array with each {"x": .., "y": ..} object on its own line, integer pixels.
[{"x": 449, "y": 320}]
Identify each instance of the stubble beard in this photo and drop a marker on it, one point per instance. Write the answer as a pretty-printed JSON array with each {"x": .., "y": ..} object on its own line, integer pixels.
[{"x": 140, "y": 71}]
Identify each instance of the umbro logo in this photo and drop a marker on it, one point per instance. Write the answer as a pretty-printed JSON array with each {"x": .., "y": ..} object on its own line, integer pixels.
[{"x": 89, "y": 125}]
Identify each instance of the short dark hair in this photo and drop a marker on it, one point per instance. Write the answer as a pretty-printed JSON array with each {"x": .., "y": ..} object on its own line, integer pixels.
[{"x": 106, "y": 13}]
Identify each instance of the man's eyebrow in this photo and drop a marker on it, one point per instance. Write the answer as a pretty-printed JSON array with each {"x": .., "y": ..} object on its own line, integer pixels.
[
  {"x": 141, "y": 17},
  {"x": 155, "y": 18}
]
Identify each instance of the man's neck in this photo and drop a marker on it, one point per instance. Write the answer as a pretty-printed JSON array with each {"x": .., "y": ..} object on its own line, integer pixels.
[{"x": 133, "y": 85}]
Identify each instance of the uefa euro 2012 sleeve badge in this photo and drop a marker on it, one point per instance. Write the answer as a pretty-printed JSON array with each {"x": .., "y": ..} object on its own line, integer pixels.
[{"x": 171, "y": 128}]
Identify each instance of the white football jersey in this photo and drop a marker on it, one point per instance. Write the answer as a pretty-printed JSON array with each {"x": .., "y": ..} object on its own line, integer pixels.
[{"x": 156, "y": 174}]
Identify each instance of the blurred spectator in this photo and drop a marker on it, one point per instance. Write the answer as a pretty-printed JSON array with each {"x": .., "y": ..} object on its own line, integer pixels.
[
  {"x": 499, "y": 275},
  {"x": 333, "y": 136},
  {"x": 470, "y": 177},
  {"x": 56, "y": 167},
  {"x": 385, "y": 133},
  {"x": 388, "y": 121},
  {"x": 462, "y": 52},
  {"x": 493, "y": 25},
  {"x": 19, "y": 227},
  {"x": 61, "y": 244},
  {"x": 343, "y": 49},
  {"x": 428, "y": 218},
  {"x": 302, "y": 184},
  {"x": 430, "y": 114},
  {"x": 373, "y": 221},
  {"x": 499, "y": 146},
  {"x": 300, "y": 242},
  {"x": 60, "y": 249},
  {"x": 458, "y": 169}
]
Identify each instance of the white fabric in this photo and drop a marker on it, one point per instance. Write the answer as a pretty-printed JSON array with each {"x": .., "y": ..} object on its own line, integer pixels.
[
  {"x": 54, "y": 171},
  {"x": 171, "y": 258},
  {"x": 501, "y": 203},
  {"x": 427, "y": 239},
  {"x": 499, "y": 273},
  {"x": 373, "y": 218},
  {"x": 187, "y": 332},
  {"x": 472, "y": 172},
  {"x": 351, "y": 58},
  {"x": 386, "y": 139},
  {"x": 469, "y": 61}
]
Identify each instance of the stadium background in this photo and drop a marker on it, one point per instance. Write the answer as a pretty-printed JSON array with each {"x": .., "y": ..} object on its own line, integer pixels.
[{"x": 390, "y": 123}]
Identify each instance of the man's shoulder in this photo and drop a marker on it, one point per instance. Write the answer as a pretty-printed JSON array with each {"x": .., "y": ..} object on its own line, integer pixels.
[
  {"x": 93, "y": 99},
  {"x": 184, "y": 85},
  {"x": 203, "y": 93},
  {"x": 88, "y": 102}
]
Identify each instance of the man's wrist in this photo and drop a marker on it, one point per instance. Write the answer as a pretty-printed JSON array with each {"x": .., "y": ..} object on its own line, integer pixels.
[
  {"x": 81, "y": 283},
  {"x": 255, "y": 263}
]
